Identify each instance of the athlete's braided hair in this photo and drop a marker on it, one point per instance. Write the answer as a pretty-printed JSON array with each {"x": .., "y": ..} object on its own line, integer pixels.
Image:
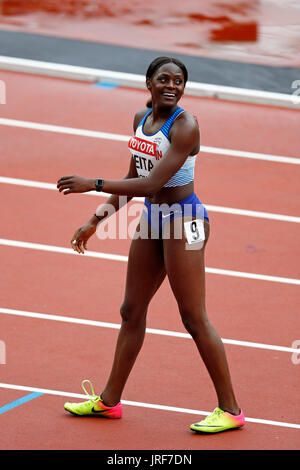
[{"x": 158, "y": 62}]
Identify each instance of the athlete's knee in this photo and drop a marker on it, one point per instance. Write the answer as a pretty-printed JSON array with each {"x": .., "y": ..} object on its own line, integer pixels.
[
  {"x": 195, "y": 322},
  {"x": 132, "y": 312},
  {"x": 191, "y": 327},
  {"x": 127, "y": 311}
]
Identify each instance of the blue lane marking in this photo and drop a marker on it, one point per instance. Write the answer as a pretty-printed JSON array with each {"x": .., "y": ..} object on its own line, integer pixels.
[
  {"x": 105, "y": 85},
  {"x": 20, "y": 401}
]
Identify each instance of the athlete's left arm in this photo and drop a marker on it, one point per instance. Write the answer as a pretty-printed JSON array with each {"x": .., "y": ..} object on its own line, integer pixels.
[{"x": 185, "y": 136}]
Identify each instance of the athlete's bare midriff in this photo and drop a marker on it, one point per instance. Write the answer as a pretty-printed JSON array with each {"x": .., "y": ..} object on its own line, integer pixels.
[{"x": 172, "y": 195}]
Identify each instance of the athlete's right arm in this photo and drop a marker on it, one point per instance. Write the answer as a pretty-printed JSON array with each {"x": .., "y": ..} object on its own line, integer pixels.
[
  {"x": 114, "y": 201},
  {"x": 112, "y": 204}
]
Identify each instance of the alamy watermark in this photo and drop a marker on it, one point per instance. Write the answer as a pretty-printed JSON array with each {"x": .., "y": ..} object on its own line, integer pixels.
[
  {"x": 2, "y": 352},
  {"x": 296, "y": 355},
  {"x": 2, "y": 92},
  {"x": 152, "y": 221},
  {"x": 296, "y": 86}
]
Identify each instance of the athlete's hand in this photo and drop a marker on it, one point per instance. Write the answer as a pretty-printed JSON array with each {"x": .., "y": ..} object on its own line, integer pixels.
[
  {"x": 81, "y": 236},
  {"x": 75, "y": 184}
]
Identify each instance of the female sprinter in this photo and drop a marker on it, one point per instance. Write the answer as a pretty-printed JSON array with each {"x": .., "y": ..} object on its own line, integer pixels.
[{"x": 164, "y": 149}]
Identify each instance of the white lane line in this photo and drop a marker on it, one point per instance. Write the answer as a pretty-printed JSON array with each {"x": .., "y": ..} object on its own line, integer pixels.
[
  {"x": 60, "y": 249},
  {"x": 211, "y": 208},
  {"x": 110, "y": 256},
  {"x": 154, "y": 331},
  {"x": 248, "y": 213},
  {"x": 154, "y": 406},
  {"x": 125, "y": 138},
  {"x": 253, "y": 155},
  {"x": 261, "y": 277},
  {"x": 63, "y": 130}
]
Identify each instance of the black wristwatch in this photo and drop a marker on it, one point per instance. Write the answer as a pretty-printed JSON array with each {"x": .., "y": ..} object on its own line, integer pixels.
[{"x": 99, "y": 184}]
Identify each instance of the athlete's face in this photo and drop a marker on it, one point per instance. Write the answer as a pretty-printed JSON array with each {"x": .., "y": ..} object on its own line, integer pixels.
[{"x": 166, "y": 85}]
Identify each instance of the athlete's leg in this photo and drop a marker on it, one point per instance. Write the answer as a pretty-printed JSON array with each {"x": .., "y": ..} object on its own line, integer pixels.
[
  {"x": 186, "y": 272},
  {"x": 145, "y": 274}
]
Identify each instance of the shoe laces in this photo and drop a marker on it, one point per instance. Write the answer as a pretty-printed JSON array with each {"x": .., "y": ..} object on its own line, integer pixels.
[
  {"x": 92, "y": 396},
  {"x": 214, "y": 416}
]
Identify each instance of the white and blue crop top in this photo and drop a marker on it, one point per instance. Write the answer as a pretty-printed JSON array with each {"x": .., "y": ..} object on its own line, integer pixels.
[{"x": 149, "y": 149}]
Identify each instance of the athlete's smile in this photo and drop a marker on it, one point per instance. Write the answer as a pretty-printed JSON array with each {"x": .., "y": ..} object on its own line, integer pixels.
[
  {"x": 169, "y": 95},
  {"x": 167, "y": 84}
]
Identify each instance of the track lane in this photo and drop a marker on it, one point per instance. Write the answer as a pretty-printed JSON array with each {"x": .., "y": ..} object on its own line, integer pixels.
[
  {"x": 223, "y": 124},
  {"x": 236, "y": 242},
  {"x": 152, "y": 379},
  {"x": 79, "y": 287},
  {"x": 43, "y": 156},
  {"x": 148, "y": 429},
  {"x": 218, "y": 178}
]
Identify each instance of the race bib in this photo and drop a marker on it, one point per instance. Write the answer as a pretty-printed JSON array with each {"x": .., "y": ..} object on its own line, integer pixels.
[{"x": 194, "y": 231}]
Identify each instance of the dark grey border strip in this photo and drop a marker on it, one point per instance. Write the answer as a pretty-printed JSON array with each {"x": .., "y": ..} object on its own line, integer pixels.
[{"x": 134, "y": 60}]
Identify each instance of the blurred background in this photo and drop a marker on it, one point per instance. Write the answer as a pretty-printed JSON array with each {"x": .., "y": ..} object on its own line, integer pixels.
[{"x": 265, "y": 32}]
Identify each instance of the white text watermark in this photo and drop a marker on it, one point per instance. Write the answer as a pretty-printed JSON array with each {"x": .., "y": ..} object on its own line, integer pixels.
[
  {"x": 2, "y": 352},
  {"x": 296, "y": 86},
  {"x": 151, "y": 221},
  {"x": 296, "y": 355},
  {"x": 2, "y": 92}
]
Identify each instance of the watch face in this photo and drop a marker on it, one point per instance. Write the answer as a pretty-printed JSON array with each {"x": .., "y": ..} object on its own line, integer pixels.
[{"x": 99, "y": 184}]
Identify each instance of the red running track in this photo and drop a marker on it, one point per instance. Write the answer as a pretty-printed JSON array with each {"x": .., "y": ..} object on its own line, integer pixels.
[{"x": 57, "y": 356}]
